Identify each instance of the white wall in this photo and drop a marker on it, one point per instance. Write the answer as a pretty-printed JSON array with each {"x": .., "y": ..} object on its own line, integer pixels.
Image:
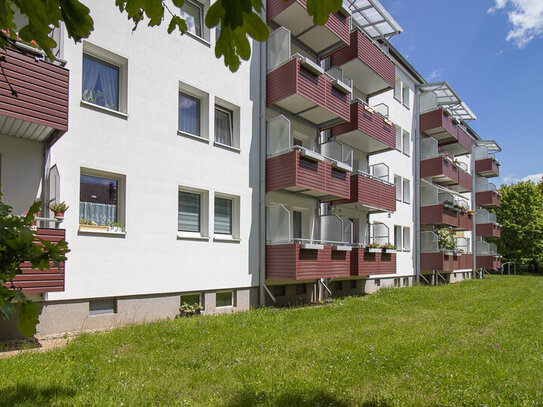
[{"x": 146, "y": 148}]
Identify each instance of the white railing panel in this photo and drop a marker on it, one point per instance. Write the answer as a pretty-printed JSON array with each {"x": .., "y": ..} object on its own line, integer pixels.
[
  {"x": 279, "y": 138},
  {"x": 278, "y": 228},
  {"x": 429, "y": 242},
  {"x": 278, "y": 46}
]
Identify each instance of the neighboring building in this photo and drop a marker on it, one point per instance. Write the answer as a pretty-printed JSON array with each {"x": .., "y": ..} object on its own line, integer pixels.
[{"x": 287, "y": 181}]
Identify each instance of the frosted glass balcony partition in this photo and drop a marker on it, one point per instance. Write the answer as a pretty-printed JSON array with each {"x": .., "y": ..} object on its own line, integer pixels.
[
  {"x": 482, "y": 184},
  {"x": 431, "y": 195},
  {"x": 462, "y": 243},
  {"x": 278, "y": 46},
  {"x": 428, "y": 148},
  {"x": 342, "y": 82},
  {"x": 336, "y": 230},
  {"x": 278, "y": 228},
  {"x": 380, "y": 233},
  {"x": 461, "y": 202},
  {"x": 483, "y": 216},
  {"x": 380, "y": 171},
  {"x": 485, "y": 248},
  {"x": 382, "y": 109},
  {"x": 429, "y": 242},
  {"x": 279, "y": 137},
  {"x": 338, "y": 153},
  {"x": 493, "y": 248}
]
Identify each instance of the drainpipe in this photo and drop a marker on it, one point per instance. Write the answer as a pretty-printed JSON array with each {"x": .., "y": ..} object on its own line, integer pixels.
[
  {"x": 474, "y": 220},
  {"x": 45, "y": 181},
  {"x": 416, "y": 206},
  {"x": 262, "y": 170}
]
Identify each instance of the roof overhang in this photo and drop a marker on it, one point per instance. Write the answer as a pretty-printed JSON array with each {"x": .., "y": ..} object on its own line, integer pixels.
[
  {"x": 447, "y": 98},
  {"x": 491, "y": 145},
  {"x": 373, "y": 18}
]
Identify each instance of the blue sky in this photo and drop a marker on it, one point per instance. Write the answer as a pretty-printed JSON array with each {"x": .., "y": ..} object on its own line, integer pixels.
[{"x": 501, "y": 80}]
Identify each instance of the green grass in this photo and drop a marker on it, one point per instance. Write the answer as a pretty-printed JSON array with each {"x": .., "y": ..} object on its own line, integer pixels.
[{"x": 473, "y": 343}]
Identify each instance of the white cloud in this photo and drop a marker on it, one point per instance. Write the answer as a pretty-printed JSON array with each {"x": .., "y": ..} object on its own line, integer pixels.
[
  {"x": 436, "y": 73},
  {"x": 533, "y": 177},
  {"x": 514, "y": 179},
  {"x": 526, "y": 16},
  {"x": 510, "y": 180}
]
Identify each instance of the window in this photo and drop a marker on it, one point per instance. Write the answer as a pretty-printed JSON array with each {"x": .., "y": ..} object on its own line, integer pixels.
[
  {"x": 297, "y": 224},
  {"x": 301, "y": 289},
  {"x": 406, "y": 239},
  {"x": 101, "y": 200},
  {"x": 398, "y": 236},
  {"x": 193, "y": 15},
  {"x": 398, "y": 185},
  {"x": 352, "y": 284},
  {"x": 398, "y": 89},
  {"x": 398, "y": 138},
  {"x": 406, "y": 143},
  {"x": 189, "y": 114},
  {"x": 190, "y": 299},
  {"x": 224, "y": 126},
  {"x": 396, "y": 282},
  {"x": 377, "y": 282},
  {"x": 189, "y": 214},
  {"x": 405, "y": 95},
  {"x": 100, "y": 83},
  {"x": 406, "y": 191},
  {"x": 224, "y": 299},
  {"x": 406, "y": 281},
  {"x": 101, "y": 307},
  {"x": 279, "y": 290},
  {"x": 223, "y": 216}
]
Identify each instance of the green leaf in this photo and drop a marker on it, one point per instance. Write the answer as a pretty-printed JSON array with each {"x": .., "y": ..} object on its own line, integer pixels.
[
  {"x": 255, "y": 27},
  {"x": 177, "y": 21},
  {"x": 29, "y": 314},
  {"x": 321, "y": 9},
  {"x": 215, "y": 14},
  {"x": 76, "y": 16}
]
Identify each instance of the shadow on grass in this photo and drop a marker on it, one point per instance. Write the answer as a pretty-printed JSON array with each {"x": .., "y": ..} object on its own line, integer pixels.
[
  {"x": 317, "y": 398},
  {"x": 30, "y": 395}
]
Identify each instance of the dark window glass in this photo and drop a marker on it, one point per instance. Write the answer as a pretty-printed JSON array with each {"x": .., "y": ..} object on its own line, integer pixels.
[
  {"x": 189, "y": 212},
  {"x": 297, "y": 224},
  {"x": 98, "y": 199},
  {"x": 100, "y": 83},
  {"x": 189, "y": 114}
]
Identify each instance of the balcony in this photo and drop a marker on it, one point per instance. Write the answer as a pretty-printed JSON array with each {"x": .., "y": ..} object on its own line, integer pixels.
[
  {"x": 293, "y": 15},
  {"x": 441, "y": 170},
  {"x": 372, "y": 71},
  {"x": 450, "y": 136},
  {"x": 435, "y": 258},
  {"x": 33, "y": 96},
  {"x": 465, "y": 220},
  {"x": 487, "y": 167},
  {"x": 440, "y": 214},
  {"x": 487, "y": 226},
  {"x": 488, "y": 199},
  {"x": 38, "y": 281},
  {"x": 366, "y": 263},
  {"x": 440, "y": 261},
  {"x": 297, "y": 261},
  {"x": 302, "y": 88},
  {"x": 465, "y": 182},
  {"x": 489, "y": 262},
  {"x": 370, "y": 193},
  {"x": 367, "y": 131}
]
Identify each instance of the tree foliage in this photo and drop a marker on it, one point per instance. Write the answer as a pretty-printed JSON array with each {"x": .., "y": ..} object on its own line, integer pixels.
[
  {"x": 238, "y": 19},
  {"x": 18, "y": 245},
  {"x": 521, "y": 214}
]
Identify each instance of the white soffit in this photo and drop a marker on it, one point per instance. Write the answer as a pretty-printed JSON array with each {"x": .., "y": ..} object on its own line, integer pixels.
[
  {"x": 447, "y": 98},
  {"x": 491, "y": 145},
  {"x": 372, "y": 17}
]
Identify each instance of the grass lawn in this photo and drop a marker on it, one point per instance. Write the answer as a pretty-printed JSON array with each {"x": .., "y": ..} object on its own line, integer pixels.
[{"x": 473, "y": 343}]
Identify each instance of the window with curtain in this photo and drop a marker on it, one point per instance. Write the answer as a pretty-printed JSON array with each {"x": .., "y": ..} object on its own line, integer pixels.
[
  {"x": 98, "y": 200},
  {"x": 398, "y": 186},
  {"x": 223, "y": 126},
  {"x": 406, "y": 191},
  {"x": 398, "y": 89},
  {"x": 398, "y": 237},
  {"x": 406, "y": 143},
  {"x": 189, "y": 114},
  {"x": 192, "y": 13},
  {"x": 405, "y": 95},
  {"x": 223, "y": 216},
  {"x": 406, "y": 239},
  {"x": 188, "y": 217},
  {"x": 100, "y": 83},
  {"x": 398, "y": 138}
]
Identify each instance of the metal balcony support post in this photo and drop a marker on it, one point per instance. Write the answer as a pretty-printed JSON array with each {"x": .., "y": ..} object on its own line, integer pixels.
[
  {"x": 416, "y": 198},
  {"x": 262, "y": 171}
]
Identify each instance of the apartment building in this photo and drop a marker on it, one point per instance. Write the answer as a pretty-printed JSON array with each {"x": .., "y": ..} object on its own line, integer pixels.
[{"x": 321, "y": 168}]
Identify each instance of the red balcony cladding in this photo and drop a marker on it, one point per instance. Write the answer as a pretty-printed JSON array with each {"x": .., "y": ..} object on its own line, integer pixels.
[
  {"x": 313, "y": 97},
  {"x": 438, "y": 215},
  {"x": 487, "y": 167},
  {"x": 292, "y": 14},
  {"x": 364, "y": 263},
  {"x": 367, "y": 131},
  {"x": 465, "y": 182},
  {"x": 466, "y": 261},
  {"x": 38, "y": 281},
  {"x": 292, "y": 262},
  {"x": 488, "y": 199},
  {"x": 465, "y": 221},
  {"x": 439, "y": 261},
  {"x": 489, "y": 262},
  {"x": 39, "y": 109},
  {"x": 441, "y": 170},
  {"x": 290, "y": 171},
  {"x": 488, "y": 230},
  {"x": 371, "y": 70},
  {"x": 374, "y": 195},
  {"x": 449, "y": 135}
]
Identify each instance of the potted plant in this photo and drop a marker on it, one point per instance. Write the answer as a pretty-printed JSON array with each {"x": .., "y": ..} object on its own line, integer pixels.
[
  {"x": 373, "y": 247},
  {"x": 389, "y": 248},
  {"x": 59, "y": 208},
  {"x": 87, "y": 225},
  {"x": 116, "y": 227}
]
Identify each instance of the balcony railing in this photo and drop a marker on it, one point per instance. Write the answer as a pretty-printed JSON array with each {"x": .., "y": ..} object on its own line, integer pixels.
[
  {"x": 293, "y": 15},
  {"x": 487, "y": 256},
  {"x": 368, "y": 130},
  {"x": 440, "y": 169},
  {"x": 366, "y": 263},
  {"x": 451, "y": 137},
  {"x": 434, "y": 258},
  {"x": 41, "y": 281},
  {"x": 33, "y": 96},
  {"x": 371, "y": 70},
  {"x": 487, "y": 226},
  {"x": 488, "y": 199},
  {"x": 487, "y": 167}
]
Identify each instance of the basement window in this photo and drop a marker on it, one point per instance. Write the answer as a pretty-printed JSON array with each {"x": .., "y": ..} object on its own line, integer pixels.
[{"x": 103, "y": 306}]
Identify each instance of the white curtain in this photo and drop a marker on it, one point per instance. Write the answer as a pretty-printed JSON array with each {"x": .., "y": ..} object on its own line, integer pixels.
[
  {"x": 102, "y": 214},
  {"x": 223, "y": 127},
  {"x": 189, "y": 114},
  {"x": 100, "y": 83}
]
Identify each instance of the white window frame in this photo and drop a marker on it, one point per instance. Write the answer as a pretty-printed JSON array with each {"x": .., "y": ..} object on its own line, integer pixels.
[
  {"x": 236, "y": 208},
  {"x": 406, "y": 143},
  {"x": 406, "y": 239},
  {"x": 398, "y": 90},
  {"x": 199, "y": 295},
  {"x": 398, "y": 237},
  {"x": 203, "y": 97},
  {"x": 235, "y": 113},
  {"x": 406, "y": 99},
  {"x": 230, "y": 125},
  {"x": 406, "y": 192},
  {"x": 111, "y": 58},
  {"x": 398, "y": 184},
  {"x": 104, "y": 311},
  {"x": 203, "y": 234},
  {"x": 232, "y": 297},
  {"x": 399, "y": 138}
]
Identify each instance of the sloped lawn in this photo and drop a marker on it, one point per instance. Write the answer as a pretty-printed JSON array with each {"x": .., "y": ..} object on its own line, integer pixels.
[{"x": 473, "y": 343}]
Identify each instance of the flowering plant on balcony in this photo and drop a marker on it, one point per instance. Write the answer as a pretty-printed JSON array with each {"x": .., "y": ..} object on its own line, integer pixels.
[
  {"x": 59, "y": 208},
  {"x": 389, "y": 246},
  {"x": 373, "y": 245},
  {"x": 445, "y": 238},
  {"x": 14, "y": 36}
]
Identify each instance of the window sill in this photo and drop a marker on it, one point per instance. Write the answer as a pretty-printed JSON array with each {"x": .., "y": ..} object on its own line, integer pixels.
[
  {"x": 193, "y": 136},
  {"x": 200, "y": 39},
  {"x": 227, "y": 239},
  {"x": 104, "y": 109},
  {"x": 101, "y": 233},
  {"x": 226, "y": 147},
  {"x": 191, "y": 236}
]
